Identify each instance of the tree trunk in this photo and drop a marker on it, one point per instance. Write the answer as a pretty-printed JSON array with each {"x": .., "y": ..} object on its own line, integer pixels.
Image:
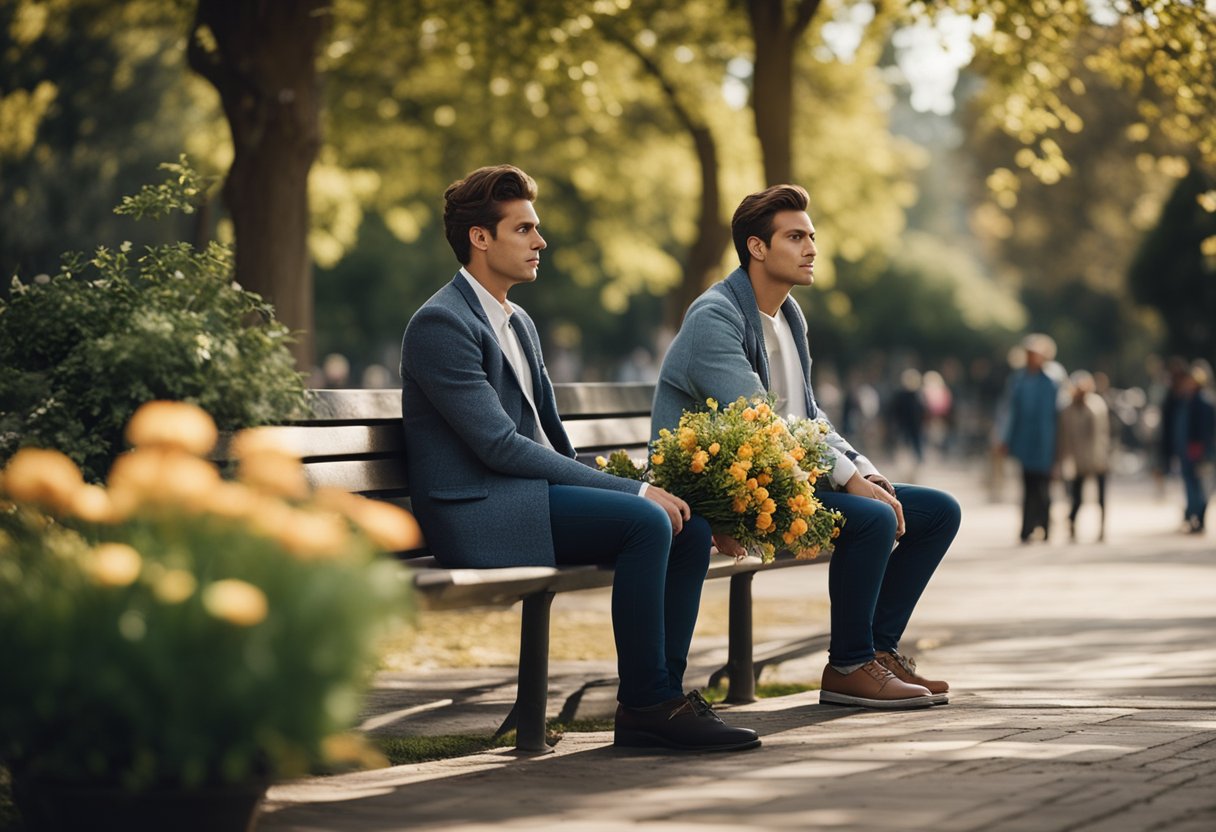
[
  {"x": 772, "y": 101},
  {"x": 705, "y": 255},
  {"x": 261, "y": 57},
  {"x": 712, "y": 232}
]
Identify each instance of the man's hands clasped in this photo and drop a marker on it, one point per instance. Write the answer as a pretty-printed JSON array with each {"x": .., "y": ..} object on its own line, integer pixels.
[{"x": 878, "y": 487}]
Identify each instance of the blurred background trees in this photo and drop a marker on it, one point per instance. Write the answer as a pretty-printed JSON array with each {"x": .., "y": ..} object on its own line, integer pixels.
[{"x": 976, "y": 167}]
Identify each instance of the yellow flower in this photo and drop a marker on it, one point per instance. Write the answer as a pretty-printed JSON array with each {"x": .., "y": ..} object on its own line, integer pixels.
[
  {"x": 48, "y": 478},
  {"x": 160, "y": 475},
  {"x": 656, "y": 459},
  {"x": 739, "y": 505},
  {"x": 114, "y": 564},
  {"x": 174, "y": 586},
  {"x": 738, "y": 470},
  {"x": 712, "y": 403},
  {"x": 798, "y": 453},
  {"x": 764, "y": 479},
  {"x": 172, "y": 424},
  {"x": 764, "y": 521},
  {"x": 809, "y": 553},
  {"x": 798, "y": 527},
  {"x": 763, "y": 410},
  {"x": 752, "y": 484},
  {"x": 236, "y": 602},
  {"x": 312, "y": 534},
  {"x": 390, "y": 527},
  {"x": 687, "y": 438},
  {"x": 749, "y": 414},
  {"x": 601, "y": 461},
  {"x": 92, "y": 504},
  {"x": 767, "y": 507},
  {"x": 835, "y": 532},
  {"x": 761, "y": 494},
  {"x": 699, "y": 460},
  {"x": 745, "y": 451},
  {"x": 714, "y": 448},
  {"x": 787, "y": 461},
  {"x": 274, "y": 472},
  {"x": 789, "y": 538}
]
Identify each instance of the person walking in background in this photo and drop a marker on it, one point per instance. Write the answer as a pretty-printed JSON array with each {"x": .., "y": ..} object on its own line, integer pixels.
[
  {"x": 908, "y": 416},
  {"x": 1029, "y": 432},
  {"x": 746, "y": 336},
  {"x": 1083, "y": 450},
  {"x": 1188, "y": 427}
]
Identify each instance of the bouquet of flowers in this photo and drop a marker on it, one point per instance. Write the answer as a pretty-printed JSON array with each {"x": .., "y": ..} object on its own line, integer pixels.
[
  {"x": 748, "y": 472},
  {"x": 175, "y": 629}
]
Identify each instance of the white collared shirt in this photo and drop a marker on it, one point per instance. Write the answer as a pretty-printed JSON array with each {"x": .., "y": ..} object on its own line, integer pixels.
[
  {"x": 785, "y": 377},
  {"x": 500, "y": 322}
]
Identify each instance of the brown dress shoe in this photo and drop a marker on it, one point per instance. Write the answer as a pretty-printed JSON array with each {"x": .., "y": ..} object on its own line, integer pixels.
[
  {"x": 871, "y": 686},
  {"x": 904, "y": 669}
]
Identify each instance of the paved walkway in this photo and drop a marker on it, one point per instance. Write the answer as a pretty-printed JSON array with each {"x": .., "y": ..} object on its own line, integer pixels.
[{"x": 1083, "y": 698}]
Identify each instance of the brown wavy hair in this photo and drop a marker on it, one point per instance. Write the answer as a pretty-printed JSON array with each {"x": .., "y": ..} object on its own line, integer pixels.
[
  {"x": 476, "y": 202},
  {"x": 754, "y": 216}
]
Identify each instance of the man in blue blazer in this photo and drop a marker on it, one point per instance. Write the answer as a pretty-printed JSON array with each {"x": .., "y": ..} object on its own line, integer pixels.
[
  {"x": 745, "y": 337},
  {"x": 494, "y": 480}
]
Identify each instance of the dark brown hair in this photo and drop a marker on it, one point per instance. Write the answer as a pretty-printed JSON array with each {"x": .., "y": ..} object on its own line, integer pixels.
[
  {"x": 754, "y": 216},
  {"x": 476, "y": 202}
]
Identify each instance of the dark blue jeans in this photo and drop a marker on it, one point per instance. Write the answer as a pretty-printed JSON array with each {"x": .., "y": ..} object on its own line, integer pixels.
[
  {"x": 874, "y": 589},
  {"x": 1196, "y": 496},
  {"x": 656, "y": 589}
]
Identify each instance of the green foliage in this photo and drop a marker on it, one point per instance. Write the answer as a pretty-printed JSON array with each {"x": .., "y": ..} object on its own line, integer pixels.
[
  {"x": 1175, "y": 269},
  {"x": 80, "y": 351},
  {"x": 765, "y": 690},
  {"x": 203, "y": 650}
]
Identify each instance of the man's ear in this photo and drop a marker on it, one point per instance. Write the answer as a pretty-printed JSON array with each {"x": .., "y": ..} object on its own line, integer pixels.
[
  {"x": 479, "y": 238},
  {"x": 756, "y": 248}
]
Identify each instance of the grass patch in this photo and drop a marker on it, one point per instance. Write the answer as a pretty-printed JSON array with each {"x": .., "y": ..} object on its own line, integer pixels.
[
  {"x": 402, "y": 750},
  {"x": 765, "y": 690}
]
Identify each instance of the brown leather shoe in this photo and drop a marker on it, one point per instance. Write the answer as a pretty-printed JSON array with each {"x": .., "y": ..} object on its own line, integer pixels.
[
  {"x": 904, "y": 669},
  {"x": 871, "y": 686}
]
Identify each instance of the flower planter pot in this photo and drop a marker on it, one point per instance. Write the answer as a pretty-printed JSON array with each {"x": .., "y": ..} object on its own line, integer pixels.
[{"x": 50, "y": 806}]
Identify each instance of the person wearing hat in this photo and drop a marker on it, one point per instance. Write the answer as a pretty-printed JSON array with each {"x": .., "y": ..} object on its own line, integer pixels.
[{"x": 1029, "y": 432}]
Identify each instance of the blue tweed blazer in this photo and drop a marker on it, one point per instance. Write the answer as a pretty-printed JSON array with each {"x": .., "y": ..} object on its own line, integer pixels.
[
  {"x": 719, "y": 352},
  {"x": 478, "y": 481}
]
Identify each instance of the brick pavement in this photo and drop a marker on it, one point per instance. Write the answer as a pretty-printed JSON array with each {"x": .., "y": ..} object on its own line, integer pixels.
[{"x": 1084, "y": 698}]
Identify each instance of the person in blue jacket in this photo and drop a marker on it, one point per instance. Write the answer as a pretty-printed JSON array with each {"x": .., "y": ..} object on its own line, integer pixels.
[
  {"x": 495, "y": 482},
  {"x": 1188, "y": 434},
  {"x": 1029, "y": 432},
  {"x": 747, "y": 336}
]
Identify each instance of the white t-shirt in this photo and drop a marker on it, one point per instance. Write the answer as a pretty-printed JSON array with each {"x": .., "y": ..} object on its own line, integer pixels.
[{"x": 785, "y": 375}]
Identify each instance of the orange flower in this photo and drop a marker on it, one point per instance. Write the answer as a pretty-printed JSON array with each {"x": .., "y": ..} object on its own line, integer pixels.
[
  {"x": 236, "y": 602},
  {"x": 714, "y": 448},
  {"x": 114, "y": 564},
  {"x": 798, "y": 527},
  {"x": 745, "y": 451},
  {"x": 764, "y": 521},
  {"x": 749, "y": 414},
  {"x": 752, "y": 484},
  {"x": 739, "y": 505},
  {"x": 798, "y": 453},
  {"x": 764, "y": 479},
  {"x": 657, "y": 459},
  {"x": 172, "y": 424},
  {"x": 48, "y": 478}
]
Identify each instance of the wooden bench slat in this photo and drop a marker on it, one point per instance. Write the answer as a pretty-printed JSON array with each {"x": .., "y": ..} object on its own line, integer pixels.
[
  {"x": 599, "y": 399},
  {"x": 609, "y": 434},
  {"x": 361, "y": 476}
]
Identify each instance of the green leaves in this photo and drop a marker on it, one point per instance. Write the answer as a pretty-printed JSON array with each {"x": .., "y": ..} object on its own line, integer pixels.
[{"x": 82, "y": 349}]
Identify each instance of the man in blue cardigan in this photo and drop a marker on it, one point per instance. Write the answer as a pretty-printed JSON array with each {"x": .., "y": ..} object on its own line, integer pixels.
[
  {"x": 494, "y": 480},
  {"x": 745, "y": 337}
]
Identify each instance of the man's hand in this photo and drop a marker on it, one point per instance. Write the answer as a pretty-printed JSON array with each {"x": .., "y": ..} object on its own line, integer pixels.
[
  {"x": 677, "y": 510},
  {"x": 727, "y": 545},
  {"x": 862, "y": 487},
  {"x": 882, "y": 482}
]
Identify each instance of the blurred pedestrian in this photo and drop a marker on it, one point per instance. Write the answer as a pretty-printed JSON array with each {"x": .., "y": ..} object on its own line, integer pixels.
[
  {"x": 908, "y": 414},
  {"x": 1188, "y": 433},
  {"x": 1029, "y": 432},
  {"x": 1083, "y": 449}
]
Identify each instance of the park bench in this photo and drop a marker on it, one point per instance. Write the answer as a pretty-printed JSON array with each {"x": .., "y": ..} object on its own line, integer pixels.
[{"x": 354, "y": 441}]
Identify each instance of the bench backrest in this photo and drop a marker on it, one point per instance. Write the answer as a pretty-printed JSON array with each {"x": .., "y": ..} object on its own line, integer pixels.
[{"x": 354, "y": 440}]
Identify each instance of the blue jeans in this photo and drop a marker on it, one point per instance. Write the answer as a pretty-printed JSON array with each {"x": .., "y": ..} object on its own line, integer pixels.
[
  {"x": 874, "y": 589},
  {"x": 656, "y": 588}
]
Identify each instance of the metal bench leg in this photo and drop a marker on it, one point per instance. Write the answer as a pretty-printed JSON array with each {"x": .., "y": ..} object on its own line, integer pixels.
[
  {"x": 533, "y": 693},
  {"x": 740, "y": 668}
]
